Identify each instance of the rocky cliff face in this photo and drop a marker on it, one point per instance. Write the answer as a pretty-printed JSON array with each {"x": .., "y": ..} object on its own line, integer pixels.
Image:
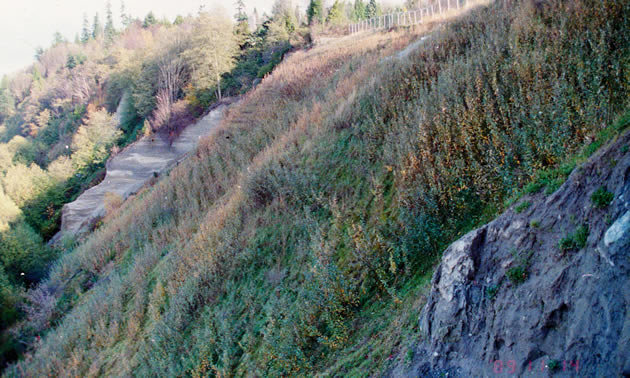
[{"x": 544, "y": 291}]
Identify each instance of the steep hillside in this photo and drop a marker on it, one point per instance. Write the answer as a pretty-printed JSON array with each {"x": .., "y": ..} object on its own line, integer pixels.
[
  {"x": 80, "y": 103},
  {"x": 299, "y": 239},
  {"x": 541, "y": 290}
]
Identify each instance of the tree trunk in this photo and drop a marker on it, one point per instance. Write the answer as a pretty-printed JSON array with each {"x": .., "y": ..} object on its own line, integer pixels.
[{"x": 216, "y": 62}]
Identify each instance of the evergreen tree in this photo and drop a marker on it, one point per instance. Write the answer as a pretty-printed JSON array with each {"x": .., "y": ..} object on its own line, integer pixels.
[
  {"x": 240, "y": 11},
  {"x": 58, "y": 39},
  {"x": 149, "y": 20},
  {"x": 124, "y": 18},
  {"x": 97, "y": 29},
  {"x": 359, "y": 10},
  {"x": 315, "y": 12},
  {"x": 283, "y": 15},
  {"x": 39, "y": 51},
  {"x": 256, "y": 18},
  {"x": 412, "y": 4},
  {"x": 85, "y": 31},
  {"x": 371, "y": 10},
  {"x": 7, "y": 104},
  {"x": 110, "y": 32},
  {"x": 335, "y": 15},
  {"x": 242, "y": 24},
  {"x": 71, "y": 62}
]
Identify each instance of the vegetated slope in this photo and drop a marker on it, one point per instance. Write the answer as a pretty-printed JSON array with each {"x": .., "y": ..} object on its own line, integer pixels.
[
  {"x": 56, "y": 130},
  {"x": 543, "y": 289},
  {"x": 300, "y": 235}
]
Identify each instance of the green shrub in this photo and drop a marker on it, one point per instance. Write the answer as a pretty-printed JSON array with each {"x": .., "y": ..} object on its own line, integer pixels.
[
  {"x": 517, "y": 274},
  {"x": 286, "y": 281},
  {"x": 553, "y": 365},
  {"x": 522, "y": 207},
  {"x": 601, "y": 198},
  {"x": 493, "y": 290},
  {"x": 534, "y": 223},
  {"x": 574, "y": 241}
]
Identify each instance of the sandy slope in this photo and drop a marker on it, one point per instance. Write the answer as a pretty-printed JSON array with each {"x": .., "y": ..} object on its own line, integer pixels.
[{"x": 128, "y": 171}]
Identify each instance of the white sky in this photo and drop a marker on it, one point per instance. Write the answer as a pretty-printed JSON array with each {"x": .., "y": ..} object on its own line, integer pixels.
[{"x": 27, "y": 24}]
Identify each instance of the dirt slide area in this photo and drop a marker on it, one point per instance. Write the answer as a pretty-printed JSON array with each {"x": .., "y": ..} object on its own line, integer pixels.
[{"x": 129, "y": 170}]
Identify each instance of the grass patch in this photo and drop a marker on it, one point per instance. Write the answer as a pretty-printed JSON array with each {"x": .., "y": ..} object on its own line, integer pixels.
[
  {"x": 575, "y": 241},
  {"x": 321, "y": 271},
  {"x": 601, "y": 198},
  {"x": 492, "y": 291},
  {"x": 553, "y": 365},
  {"x": 517, "y": 274},
  {"x": 522, "y": 207},
  {"x": 552, "y": 178}
]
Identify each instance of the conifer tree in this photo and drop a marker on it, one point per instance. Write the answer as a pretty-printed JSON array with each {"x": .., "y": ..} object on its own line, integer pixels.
[
  {"x": 124, "y": 18},
  {"x": 315, "y": 12},
  {"x": 58, "y": 39},
  {"x": 7, "y": 104},
  {"x": 97, "y": 29},
  {"x": 242, "y": 24},
  {"x": 149, "y": 20},
  {"x": 240, "y": 11},
  {"x": 371, "y": 10},
  {"x": 110, "y": 32},
  {"x": 359, "y": 10},
  {"x": 85, "y": 31},
  {"x": 335, "y": 15}
]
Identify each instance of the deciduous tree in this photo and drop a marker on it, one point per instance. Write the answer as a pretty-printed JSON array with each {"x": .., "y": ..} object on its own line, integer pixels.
[
  {"x": 213, "y": 47},
  {"x": 94, "y": 138}
]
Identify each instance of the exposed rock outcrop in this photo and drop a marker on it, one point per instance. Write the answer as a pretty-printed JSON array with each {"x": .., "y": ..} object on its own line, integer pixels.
[{"x": 542, "y": 292}]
